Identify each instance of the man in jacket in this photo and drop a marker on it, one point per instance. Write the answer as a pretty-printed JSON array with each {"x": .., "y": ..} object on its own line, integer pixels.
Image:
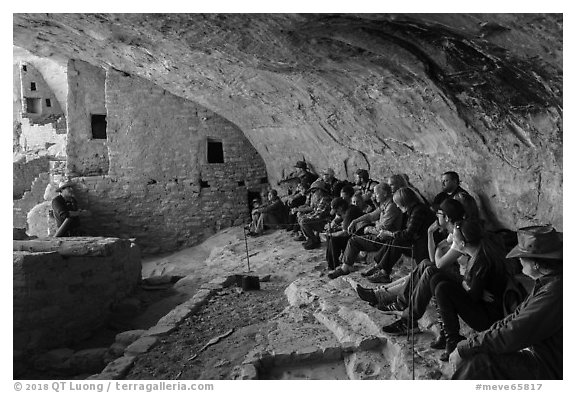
[{"x": 66, "y": 212}]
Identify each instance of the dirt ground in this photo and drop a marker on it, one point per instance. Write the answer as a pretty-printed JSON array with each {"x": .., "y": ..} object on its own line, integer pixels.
[{"x": 246, "y": 312}]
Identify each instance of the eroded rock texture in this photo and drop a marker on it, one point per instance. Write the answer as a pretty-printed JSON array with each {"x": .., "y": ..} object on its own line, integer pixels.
[{"x": 416, "y": 94}]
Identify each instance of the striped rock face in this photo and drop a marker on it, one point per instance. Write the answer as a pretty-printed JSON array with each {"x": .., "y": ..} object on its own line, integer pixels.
[{"x": 417, "y": 94}]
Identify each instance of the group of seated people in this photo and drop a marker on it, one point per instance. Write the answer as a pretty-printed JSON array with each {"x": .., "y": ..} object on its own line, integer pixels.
[{"x": 466, "y": 271}]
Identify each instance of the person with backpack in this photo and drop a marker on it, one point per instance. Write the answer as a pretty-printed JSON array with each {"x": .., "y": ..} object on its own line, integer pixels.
[{"x": 526, "y": 344}]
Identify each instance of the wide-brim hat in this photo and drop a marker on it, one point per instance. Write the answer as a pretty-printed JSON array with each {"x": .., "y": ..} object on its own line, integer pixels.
[
  {"x": 300, "y": 164},
  {"x": 64, "y": 184},
  {"x": 538, "y": 242}
]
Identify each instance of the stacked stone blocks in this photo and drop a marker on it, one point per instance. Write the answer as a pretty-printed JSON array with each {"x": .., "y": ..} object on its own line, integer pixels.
[{"x": 65, "y": 289}]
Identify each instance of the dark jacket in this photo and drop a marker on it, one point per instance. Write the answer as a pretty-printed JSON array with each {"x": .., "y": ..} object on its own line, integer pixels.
[
  {"x": 276, "y": 208},
  {"x": 308, "y": 177},
  {"x": 536, "y": 324},
  {"x": 438, "y": 199},
  {"x": 61, "y": 209},
  {"x": 416, "y": 222}
]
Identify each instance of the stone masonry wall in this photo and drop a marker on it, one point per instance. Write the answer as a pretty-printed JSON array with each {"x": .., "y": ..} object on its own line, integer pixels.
[
  {"x": 24, "y": 172},
  {"x": 31, "y": 198},
  {"x": 33, "y": 131},
  {"x": 64, "y": 289},
  {"x": 157, "y": 148},
  {"x": 86, "y": 156}
]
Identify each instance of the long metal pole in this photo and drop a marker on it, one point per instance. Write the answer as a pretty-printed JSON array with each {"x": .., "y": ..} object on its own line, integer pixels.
[{"x": 247, "y": 256}]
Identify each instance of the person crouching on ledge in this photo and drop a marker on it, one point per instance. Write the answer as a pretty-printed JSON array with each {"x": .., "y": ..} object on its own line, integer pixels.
[{"x": 66, "y": 212}]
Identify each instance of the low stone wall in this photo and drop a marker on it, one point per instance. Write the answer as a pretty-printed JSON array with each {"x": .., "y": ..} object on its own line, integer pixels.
[{"x": 64, "y": 289}]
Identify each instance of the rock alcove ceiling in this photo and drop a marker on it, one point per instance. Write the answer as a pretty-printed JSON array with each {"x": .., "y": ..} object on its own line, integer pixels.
[{"x": 417, "y": 94}]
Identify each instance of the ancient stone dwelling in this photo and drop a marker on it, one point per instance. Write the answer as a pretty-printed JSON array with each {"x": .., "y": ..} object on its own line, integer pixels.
[{"x": 170, "y": 124}]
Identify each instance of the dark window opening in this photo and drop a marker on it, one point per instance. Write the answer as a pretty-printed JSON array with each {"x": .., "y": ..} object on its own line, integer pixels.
[
  {"x": 33, "y": 86},
  {"x": 48, "y": 102},
  {"x": 98, "y": 126},
  {"x": 241, "y": 183},
  {"x": 24, "y": 68},
  {"x": 263, "y": 180},
  {"x": 33, "y": 105},
  {"x": 204, "y": 184},
  {"x": 215, "y": 152}
]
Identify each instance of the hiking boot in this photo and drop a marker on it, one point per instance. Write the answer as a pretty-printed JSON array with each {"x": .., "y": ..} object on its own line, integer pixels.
[
  {"x": 311, "y": 244},
  {"x": 337, "y": 273},
  {"x": 380, "y": 277},
  {"x": 451, "y": 345},
  {"x": 366, "y": 294},
  {"x": 439, "y": 342},
  {"x": 370, "y": 271},
  {"x": 400, "y": 327}
]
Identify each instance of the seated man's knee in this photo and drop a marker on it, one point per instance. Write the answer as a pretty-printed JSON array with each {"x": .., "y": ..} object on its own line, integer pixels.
[
  {"x": 439, "y": 287},
  {"x": 473, "y": 367}
]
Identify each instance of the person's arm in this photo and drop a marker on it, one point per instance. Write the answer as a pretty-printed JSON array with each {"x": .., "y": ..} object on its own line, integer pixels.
[
  {"x": 447, "y": 259},
  {"x": 276, "y": 205},
  {"x": 369, "y": 217},
  {"x": 431, "y": 245},
  {"x": 390, "y": 219},
  {"x": 323, "y": 208},
  {"x": 476, "y": 284},
  {"x": 538, "y": 318},
  {"x": 415, "y": 222},
  {"x": 59, "y": 209}
]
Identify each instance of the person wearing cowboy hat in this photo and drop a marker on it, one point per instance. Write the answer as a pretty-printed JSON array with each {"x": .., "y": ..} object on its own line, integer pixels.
[
  {"x": 66, "y": 212},
  {"x": 526, "y": 344}
]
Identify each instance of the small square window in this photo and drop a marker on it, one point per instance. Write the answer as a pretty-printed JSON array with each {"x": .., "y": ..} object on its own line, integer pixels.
[
  {"x": 24, "y": 68},
  {"x": 48, "y": 102},
  {"x": 215, "y": 152},
  {"x": 98, "y": 126},
  {"x": 33, "y": 105},
  {"x": 33, "y": 86}
]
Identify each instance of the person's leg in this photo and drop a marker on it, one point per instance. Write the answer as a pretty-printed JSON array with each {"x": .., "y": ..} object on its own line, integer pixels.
[
  {"x": 313, "y": 226},
  {"x": 357, "y": 244},
  {"x": 259, "y": 227},
  {"x": 269, "y": 221},
  {"x": 520, "y": 365},
  {"x": 423, "y": 291},
  {"x": 339, "y": 244},
  {"x": 388, "y": 258},
  {"x": 412, "y": 282},
  {"x": 331, "y": 257},
  {"x": 454, "y": 301},
  {"x": 310, "y": 225}
]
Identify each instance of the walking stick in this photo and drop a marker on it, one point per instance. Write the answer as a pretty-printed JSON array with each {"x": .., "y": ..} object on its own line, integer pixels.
[{"x": 64, "y": 227}]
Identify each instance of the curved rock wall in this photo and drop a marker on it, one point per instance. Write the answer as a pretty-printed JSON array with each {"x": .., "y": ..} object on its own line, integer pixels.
[{"x": 417, "y": 94}]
